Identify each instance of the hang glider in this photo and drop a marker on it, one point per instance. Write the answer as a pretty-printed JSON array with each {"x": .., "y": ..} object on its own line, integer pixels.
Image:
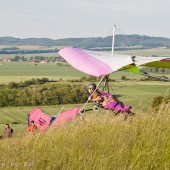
[
  {"x": 43, "y": 121},
  {"x": 100, "y": 63},
  {"x": 66, "y": 116}
]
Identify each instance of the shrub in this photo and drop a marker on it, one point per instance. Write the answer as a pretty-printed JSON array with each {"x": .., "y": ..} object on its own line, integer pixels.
[
  {"x": 112, "y": 80},
  {"x": 123, "y": 78},
  {"x": 158, "y": 100},
  {"x": 84, "y": 78},
  {"x": 12, "y": 85},
  {"x": 59, "y": 64},
  {"x": 91, "y": 78},
  {"x": 74, "y": 80}
]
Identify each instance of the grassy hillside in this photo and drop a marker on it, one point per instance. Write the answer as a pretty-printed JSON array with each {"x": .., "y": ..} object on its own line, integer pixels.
[
  {"x": 30, "y": 69},
  {"x": 99, "y": 142}
]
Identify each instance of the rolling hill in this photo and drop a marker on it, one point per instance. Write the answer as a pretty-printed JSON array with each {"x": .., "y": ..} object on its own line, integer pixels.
[{"x": 121, "y": 41}]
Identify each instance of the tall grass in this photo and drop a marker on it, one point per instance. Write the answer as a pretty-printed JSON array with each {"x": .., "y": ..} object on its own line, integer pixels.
[{"x": 98, "y": 142}]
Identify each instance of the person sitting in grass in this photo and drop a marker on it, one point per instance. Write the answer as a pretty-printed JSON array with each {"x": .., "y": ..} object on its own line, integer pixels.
[
  {"x": 8, "y": 131},
  {"x": 32, "y": 128}
]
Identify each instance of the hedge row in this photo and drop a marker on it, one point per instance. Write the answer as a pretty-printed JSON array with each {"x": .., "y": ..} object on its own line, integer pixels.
[{"x": 46, "y": 94}]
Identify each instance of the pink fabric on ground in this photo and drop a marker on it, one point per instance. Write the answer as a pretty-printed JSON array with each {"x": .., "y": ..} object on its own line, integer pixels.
[
  {"x": 66, "y": 116},
  {"x": 41, "y": 120}
]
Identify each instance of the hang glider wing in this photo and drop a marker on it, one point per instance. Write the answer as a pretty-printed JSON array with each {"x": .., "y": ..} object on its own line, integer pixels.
[
  {"x": 159, "y": 62},
  {"x": 94, "y": 63},
  {"x": 66, "y": 116},
  {"x": 41, "y": 120},
  {"x": 102, "y": 63},
  {"x": 130, "y": 68}
]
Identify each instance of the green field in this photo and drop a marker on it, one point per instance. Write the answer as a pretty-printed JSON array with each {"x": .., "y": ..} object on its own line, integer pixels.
[
  {"x": 137, "y": 94},
  {"x": 17, "y": 71},
  {"x": 147, "y": 52},
  {"x": 21, "y": 71}
]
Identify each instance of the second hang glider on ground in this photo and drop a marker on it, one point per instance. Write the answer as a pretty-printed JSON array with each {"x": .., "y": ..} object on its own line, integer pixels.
[{"x": 100, "y": 63}]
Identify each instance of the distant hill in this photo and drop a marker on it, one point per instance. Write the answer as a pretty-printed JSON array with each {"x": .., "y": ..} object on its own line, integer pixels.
[{"x": 94, "y": 42}]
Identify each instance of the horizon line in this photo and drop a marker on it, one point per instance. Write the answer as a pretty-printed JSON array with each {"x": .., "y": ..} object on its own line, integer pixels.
[{"x": 79, "y": 37}]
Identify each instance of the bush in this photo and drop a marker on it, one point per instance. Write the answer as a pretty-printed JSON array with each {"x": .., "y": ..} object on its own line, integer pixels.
[
  {"x": 8, "y": 97},
  {"x": 123, "y": 78},
  {"x": 111, "y": 80},
  {"x": 16, "y": 123},
  {"x": 89, "y": 78},
  {"x": 74, "y": 80},
  {"x": 12, "y": 85},
  {"x": 59, "y": 64},
  {"x": 84, "y": 78},
  {"x": 158, "y": 100}
]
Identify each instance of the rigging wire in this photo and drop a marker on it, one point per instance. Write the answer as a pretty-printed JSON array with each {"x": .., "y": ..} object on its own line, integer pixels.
[
  {"x": 67, "y": 72},
  {"x": 91, "y": 38},
  {"x": 126, "y": 40},
  {"x": 88, "y": 39}
]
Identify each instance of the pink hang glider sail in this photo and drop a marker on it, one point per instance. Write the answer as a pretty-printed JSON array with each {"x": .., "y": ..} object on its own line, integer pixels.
[
  {"x": 41, "y": 120},
  {"x": 102, "y": 63},
  {"x": 66, "y": 116},
  {"x": 94, "y": 63}
]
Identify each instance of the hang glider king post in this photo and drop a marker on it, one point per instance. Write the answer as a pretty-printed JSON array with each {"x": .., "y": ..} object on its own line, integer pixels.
[{"x": 106, "y": 77}]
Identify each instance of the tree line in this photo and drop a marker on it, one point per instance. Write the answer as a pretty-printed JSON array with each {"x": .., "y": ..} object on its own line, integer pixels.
[
  {"x": 45, "y": 94},
  {"x": 37, "y": 58},
  {"x": 15, "y": 50}
]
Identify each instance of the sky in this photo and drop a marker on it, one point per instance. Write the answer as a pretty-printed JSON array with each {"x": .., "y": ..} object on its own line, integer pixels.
[{"x": 58, "y": 19}]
